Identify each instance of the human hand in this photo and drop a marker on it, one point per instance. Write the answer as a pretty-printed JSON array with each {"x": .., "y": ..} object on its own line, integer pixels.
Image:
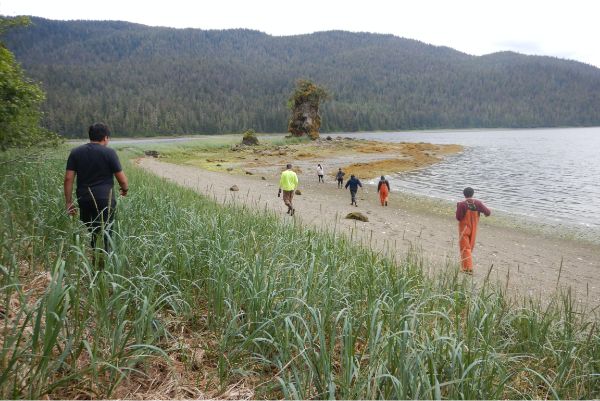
[
  {"x": 71, "y": 209},
  {"x": 123, "y": 192}
]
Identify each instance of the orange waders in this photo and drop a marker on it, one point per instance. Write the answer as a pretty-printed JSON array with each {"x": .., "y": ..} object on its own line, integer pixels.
[
  {"x": 383, "y": 194},
  {"x": 467, "y": 230}
]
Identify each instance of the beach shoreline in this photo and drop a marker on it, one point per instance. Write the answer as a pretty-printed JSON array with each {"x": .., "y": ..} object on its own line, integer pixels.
[
  {"x": 501, "y": 218},
  {"x": 525, "y": 262}
]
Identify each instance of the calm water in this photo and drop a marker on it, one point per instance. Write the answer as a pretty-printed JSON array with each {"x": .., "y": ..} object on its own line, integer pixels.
[{"x": 551, "y": 176}]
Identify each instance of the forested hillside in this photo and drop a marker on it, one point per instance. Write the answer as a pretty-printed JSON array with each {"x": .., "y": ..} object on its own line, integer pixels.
[{"x": 149, "y": 80}]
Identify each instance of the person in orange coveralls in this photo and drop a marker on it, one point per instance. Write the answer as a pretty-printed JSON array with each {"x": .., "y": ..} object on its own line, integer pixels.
[
  {"x": 467, "y": 214},
  {"x": 383, "y": 187}
]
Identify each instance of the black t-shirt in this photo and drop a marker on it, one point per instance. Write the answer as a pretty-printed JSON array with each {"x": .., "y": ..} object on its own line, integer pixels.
[{"x": 94, "y": 166}]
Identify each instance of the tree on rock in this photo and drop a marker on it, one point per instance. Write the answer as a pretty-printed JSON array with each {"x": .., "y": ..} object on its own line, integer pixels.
[
  {"x": 20, "y": 99},
  {"x": 304, "y": 104},
  {"x": 249, "y": 138}
]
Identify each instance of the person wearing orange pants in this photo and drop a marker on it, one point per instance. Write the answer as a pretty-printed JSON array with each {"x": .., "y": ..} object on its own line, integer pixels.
[
  {"x": 383, "y": 187},
  {"x": 467, "y": 214}
]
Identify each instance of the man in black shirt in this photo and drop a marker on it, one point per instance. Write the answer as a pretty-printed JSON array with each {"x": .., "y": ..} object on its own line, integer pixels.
[{"x": 94, "y": 164}]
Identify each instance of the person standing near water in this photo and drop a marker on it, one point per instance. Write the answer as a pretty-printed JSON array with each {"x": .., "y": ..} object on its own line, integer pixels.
[
  {"x": 340, "y": 178},
  {"x": 288, "y": 183},
  {"x": 353, "y": 183},
  {"x": 320, "y": 173},
  {"x": 383, "y": 187},
  {"x": 467, "y": 214},
  {"x": 94, "y": 164}
]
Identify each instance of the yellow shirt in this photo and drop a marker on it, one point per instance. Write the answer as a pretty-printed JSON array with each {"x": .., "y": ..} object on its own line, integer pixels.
[{"x": 288, "y": 180}]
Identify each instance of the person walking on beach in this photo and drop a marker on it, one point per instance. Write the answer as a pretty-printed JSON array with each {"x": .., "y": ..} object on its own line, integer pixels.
[
  {"x": 288, "y": 183},
  {"x": 94, "y": 164},
  {"x": 353, "y": 183},
  {"x": 340, "y": 178},
  {"x": 467, "y": 214},
  {"x": 320, "y": 173},
  {"x": 383, "y": 187}
]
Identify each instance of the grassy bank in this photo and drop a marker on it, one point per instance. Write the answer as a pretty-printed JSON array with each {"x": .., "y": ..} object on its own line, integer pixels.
[{"x": 199, "y": 299}]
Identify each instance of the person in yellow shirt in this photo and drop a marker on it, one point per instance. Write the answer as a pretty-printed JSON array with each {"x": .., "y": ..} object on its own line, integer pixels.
[{"x": 288, "y": 183}]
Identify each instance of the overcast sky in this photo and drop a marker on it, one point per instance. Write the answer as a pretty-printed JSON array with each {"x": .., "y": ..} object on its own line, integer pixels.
[{"x": 566, "y": 29}]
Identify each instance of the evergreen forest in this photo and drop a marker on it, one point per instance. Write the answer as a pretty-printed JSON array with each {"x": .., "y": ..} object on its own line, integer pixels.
[{"x": 146, "y": 81}]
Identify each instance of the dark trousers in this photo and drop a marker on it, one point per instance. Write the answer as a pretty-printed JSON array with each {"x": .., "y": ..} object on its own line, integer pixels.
[
  {"x": 353, "y": 195},
  {"x": 98, "y": 215},
  {"x": 287, "y": 199},
  {"x": 340, "y": 183}
]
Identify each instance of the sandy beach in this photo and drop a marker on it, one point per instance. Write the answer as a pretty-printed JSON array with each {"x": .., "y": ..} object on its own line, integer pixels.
[{"x": 523, "y": 261}]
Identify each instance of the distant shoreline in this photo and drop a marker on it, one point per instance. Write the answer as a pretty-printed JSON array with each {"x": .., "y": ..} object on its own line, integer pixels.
[{"x": 189, "y": 137}]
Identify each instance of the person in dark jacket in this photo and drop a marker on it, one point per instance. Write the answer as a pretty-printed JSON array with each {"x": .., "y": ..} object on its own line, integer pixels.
[
  {"x": 353, "y": 183},
  {"x": 383, "y": 187},
  {"x": 340, "y": 178}
]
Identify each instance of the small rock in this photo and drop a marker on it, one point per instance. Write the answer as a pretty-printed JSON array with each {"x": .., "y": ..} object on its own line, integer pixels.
[
  {"x": 297, "y": 192},
  {"x": 234, "y": 188},
  {"x": 329, "y": 138},
  {"x": 218, "y": 165},
  {"x": 152, "y": 153},
  {"x": 263, "y": 178},
  {"x": 357, "y": 216},
  {"x": 249, "y": 173},
  {"x": 229, "y": 168}
]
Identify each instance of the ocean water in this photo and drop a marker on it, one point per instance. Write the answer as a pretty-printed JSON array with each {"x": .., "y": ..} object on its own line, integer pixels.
[{"x": 549, "y": 176}]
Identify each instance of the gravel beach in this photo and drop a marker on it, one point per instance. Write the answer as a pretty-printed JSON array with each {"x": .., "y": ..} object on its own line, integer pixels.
[{"x": 530, "y": 262}]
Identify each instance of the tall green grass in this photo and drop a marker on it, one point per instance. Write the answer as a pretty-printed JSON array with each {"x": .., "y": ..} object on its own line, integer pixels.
[{"x": 295, "y": 312}]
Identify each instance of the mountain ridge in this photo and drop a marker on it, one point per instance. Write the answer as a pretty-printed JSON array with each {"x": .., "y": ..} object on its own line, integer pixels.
[{"x": 157, "y": 80}]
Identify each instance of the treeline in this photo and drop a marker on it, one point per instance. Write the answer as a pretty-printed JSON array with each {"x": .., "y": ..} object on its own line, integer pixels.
[{"x": 150, "y": 80}]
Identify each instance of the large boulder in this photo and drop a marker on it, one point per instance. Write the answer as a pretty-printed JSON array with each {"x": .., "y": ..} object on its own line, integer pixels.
[
  {"x": 305, "y": 121},
  {"x": 249, "y": 138},
  {"x": 304, "y": 104}
]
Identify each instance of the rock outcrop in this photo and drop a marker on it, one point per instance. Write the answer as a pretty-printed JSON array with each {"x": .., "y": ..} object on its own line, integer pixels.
[
  {"x": 304, "y": 103},
  {"x": 249, "y": 138}
]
